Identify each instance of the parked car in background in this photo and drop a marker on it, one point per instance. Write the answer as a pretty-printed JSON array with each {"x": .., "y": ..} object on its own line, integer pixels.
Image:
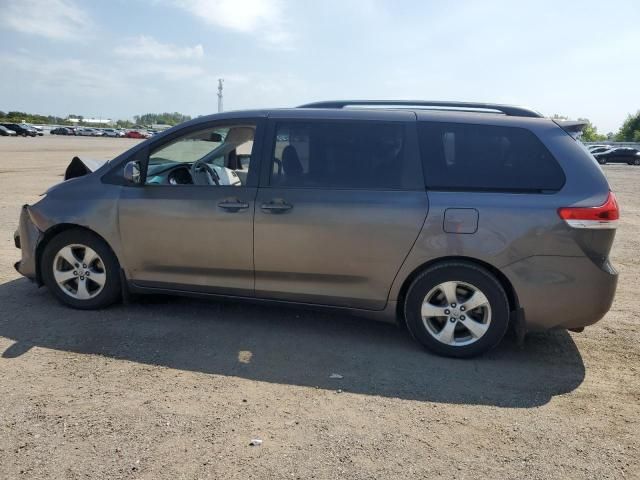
[
  {"x": 89, "y": 132},
  {"x": 110, "y": 132},
  {"x": 5, "y": 132},
  {"x": 38, "y": 130},
  {"x": 457, "y": 224},
  {"x": 62, "y": 131},
  {"x": 593, "y": 147},
  {"x": 136, "y": 134},
  {"x": 20, "y": 129},
  {"x": 600, "y": 149},
  {"x": 626, "y": 155}
]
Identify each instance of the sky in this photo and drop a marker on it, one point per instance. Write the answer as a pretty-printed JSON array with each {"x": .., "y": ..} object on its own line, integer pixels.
[{"x": 120, "y": 58}]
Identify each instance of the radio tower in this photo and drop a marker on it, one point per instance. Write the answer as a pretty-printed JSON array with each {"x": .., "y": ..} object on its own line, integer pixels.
[{"x": 220, "y": 81}]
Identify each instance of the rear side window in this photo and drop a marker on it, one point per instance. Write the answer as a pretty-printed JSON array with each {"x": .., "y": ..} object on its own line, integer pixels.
[
  {"x": 344, "y": 155},
  {"x": 486, "y": 157}
]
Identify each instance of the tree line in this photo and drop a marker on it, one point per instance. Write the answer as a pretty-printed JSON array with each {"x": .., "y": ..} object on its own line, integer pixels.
[
  {"x": 629, "y": 131},
  {"x": 166, "y": 118}
]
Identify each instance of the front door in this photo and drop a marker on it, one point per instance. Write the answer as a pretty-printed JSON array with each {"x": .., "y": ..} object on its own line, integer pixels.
[
  {"x": 339, "y": 207},
  {"x": 190, "y": 226}
]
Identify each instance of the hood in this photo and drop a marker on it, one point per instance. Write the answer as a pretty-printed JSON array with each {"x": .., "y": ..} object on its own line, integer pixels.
[{"x": 82, "y": 166}]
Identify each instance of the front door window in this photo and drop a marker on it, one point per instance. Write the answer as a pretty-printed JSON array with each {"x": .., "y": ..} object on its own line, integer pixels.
[{"x": 216, "y": 156}]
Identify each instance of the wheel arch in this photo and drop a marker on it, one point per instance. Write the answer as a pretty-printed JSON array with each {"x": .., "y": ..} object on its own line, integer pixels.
[
  {"x": 512, "y": 296},
  {"x": 51, "y": 233}
]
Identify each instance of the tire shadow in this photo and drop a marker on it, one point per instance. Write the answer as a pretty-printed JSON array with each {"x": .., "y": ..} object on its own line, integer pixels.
[{"x": 287, "y": 345}]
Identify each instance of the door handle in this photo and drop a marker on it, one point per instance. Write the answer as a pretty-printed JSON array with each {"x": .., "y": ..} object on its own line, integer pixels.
[
  {"x": 276, "y": 207},
  {"x": 233, "y": 205}
]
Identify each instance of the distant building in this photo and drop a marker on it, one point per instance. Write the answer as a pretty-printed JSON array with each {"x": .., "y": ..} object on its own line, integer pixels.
[
  {"x": 92, "y": 121},
  {"x": 160, "y": 126}
]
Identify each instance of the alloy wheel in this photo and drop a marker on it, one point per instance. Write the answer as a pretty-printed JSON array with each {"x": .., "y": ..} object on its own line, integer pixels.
[
  {"x": 456, "y": 313},
  {"x": 79, "y": 271}
]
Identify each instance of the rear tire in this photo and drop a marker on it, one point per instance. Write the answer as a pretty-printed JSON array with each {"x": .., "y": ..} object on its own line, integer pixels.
[
  {"x": 457, "y": 309},
  {"x": 80, "y": 270},
  {"x": 636, "y": 161}
]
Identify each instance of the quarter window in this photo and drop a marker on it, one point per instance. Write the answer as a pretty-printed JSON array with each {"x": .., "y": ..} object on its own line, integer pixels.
[{"x": 486, "y": 157}]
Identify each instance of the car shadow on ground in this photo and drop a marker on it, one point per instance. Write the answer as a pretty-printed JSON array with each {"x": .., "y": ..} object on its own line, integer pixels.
[{"x": 288, "y": 345}]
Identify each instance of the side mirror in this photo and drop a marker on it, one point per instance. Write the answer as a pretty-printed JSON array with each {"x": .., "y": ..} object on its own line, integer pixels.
[{"x": 132, "y": 173}]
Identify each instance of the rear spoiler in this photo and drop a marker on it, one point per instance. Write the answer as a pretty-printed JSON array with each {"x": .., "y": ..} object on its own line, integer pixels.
[{"x": 572, "y": 127}]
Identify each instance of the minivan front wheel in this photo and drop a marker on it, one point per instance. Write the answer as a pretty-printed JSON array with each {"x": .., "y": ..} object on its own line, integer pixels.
[
  {"x": 457, "y": 309},
  {"x": 80, "y": 270}
]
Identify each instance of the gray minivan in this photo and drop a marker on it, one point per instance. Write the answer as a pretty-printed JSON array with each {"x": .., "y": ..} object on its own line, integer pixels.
[{"x": 455, "y": 219}]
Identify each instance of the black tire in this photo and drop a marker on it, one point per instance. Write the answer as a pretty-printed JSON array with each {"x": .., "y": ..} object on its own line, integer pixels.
[
  {"x": 602, "y": 161},
  {"x": 111, "y": 290},
  {"x": 635, "y": 161},
  {"x": 461, "y": 272}
]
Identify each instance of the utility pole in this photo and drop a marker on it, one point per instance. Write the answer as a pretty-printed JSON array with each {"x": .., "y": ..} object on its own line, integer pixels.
[{"x": 220, "y": 81}]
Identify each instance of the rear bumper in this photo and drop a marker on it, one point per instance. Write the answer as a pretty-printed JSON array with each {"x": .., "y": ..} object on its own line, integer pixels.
[
  {"x": 565, "y": 292},
  {"x": 26, "y": 238}
]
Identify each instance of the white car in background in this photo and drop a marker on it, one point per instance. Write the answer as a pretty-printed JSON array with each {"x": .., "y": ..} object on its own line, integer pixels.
[
  {"x": 110, "y": 132},
  {"x": 88, "y": 132}
]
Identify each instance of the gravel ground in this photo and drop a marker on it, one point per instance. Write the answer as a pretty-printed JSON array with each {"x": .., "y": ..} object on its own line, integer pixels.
[{"x": 177, "y": 388}]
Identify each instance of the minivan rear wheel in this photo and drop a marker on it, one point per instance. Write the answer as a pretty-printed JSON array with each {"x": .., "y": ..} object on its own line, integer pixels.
[
  {"x": 80, "y": 270},
  {"x": 457, "y": 309}
]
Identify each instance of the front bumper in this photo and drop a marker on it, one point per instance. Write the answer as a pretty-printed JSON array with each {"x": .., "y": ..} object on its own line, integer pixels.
[
  {"x": 26, "y": 238},
  {"x": 564, "y": 292}
]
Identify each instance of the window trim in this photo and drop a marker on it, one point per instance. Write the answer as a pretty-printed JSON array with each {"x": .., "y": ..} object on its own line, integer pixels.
[
  {"x": 516, "y": 190},
  {"x": 411, "y": 150}
]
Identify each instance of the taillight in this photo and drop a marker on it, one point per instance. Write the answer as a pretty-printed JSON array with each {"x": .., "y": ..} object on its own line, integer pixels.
[{"x": 604, "y": 216}]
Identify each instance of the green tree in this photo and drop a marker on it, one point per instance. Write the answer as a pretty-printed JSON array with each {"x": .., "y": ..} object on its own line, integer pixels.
[
  {"x": 163, "y": 118},
  {"x": 630, "y": 129},
  {"x": 18, "y": 117},
  {"x": 590, "y": 132},
  {"x": 124, "y": 124}
]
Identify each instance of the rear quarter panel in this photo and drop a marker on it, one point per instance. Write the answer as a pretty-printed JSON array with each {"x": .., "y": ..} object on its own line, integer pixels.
[{"x": 513, "y": 227}]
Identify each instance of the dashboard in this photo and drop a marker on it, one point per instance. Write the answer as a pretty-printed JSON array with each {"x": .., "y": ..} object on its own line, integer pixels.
[
  {"x": 173, "y": 175},
  {"x": 180, "y": 174}
]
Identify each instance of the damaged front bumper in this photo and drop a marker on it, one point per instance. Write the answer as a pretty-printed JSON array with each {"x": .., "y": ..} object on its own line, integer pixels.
[{"x": 26, "y": 238}]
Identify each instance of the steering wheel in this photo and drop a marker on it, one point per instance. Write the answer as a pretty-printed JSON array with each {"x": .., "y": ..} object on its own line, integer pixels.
[{"x": 212, "y": 176}]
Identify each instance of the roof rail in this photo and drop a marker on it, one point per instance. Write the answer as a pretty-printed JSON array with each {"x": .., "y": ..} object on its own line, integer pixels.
[{"x": 439, "y": 105}]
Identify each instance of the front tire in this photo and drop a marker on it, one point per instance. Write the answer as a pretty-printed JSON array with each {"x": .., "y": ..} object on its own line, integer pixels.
[
  {"x": 457, "y": 309},
  {"x": 80, "y": 270}
]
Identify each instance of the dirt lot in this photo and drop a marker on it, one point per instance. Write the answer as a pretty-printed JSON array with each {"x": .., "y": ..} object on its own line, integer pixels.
[{"x": 177, "y": 388}]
